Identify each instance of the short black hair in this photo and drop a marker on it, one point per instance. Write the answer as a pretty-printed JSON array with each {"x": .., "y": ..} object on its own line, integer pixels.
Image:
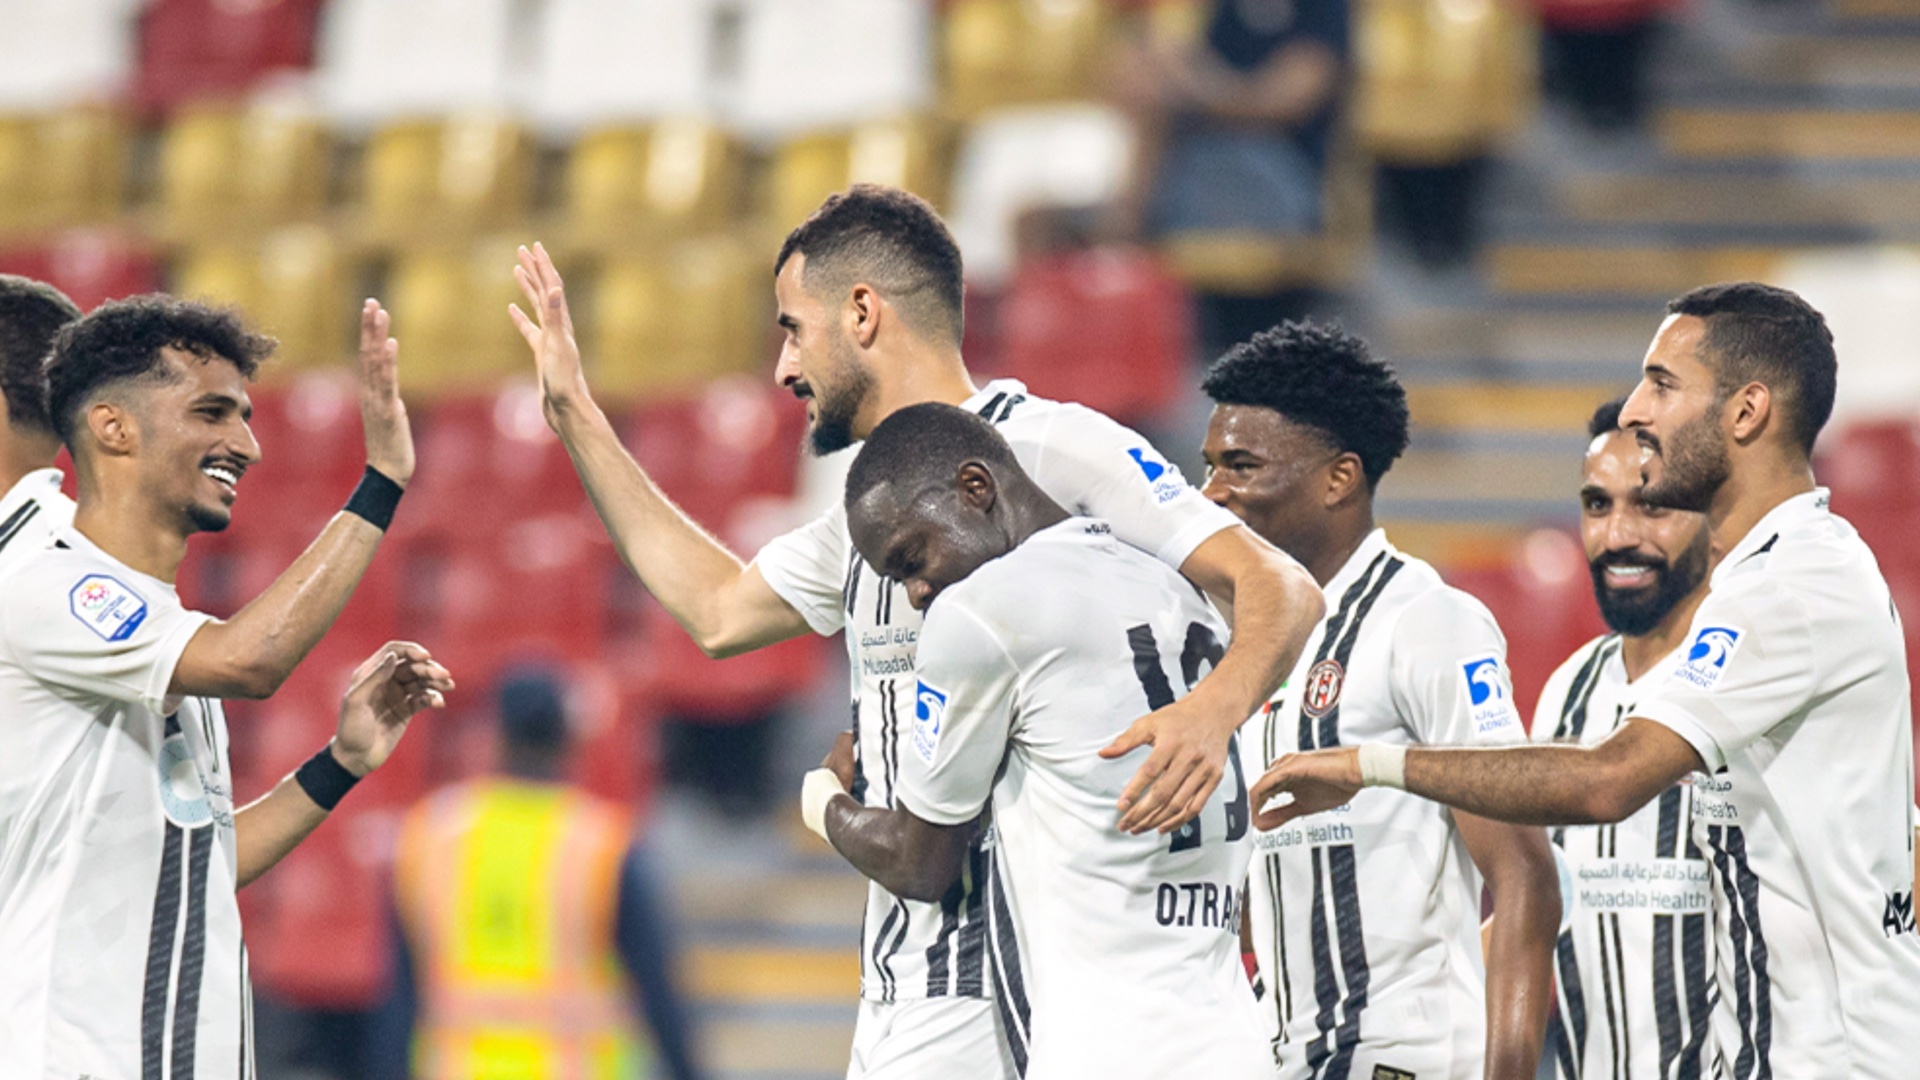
[
  {"x": 890, "y": 239},
  {"x": 1606, "y": 418},
  {"x": 924, "y": 445},
  {"x": 533, "y": 709},
  {"x": 1760, "y": 333},
  {"x": 1324, "y": 378},
  {"x": 122, "y": 340},
  {"x": 31, "y": 313}
]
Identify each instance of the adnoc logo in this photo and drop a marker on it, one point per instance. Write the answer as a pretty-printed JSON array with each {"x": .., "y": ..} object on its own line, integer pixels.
[{"x": 1707, "y": 657}]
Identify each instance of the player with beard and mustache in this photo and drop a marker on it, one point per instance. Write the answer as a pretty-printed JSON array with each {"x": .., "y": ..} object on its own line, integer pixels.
[
  {"x": 869, "y": 292},
  {"x": 1635, "y": 953},
  {"x": 1788, "y": 699}
]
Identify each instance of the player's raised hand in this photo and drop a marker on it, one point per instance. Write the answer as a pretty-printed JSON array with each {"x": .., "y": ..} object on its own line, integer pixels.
[
  {"x": 382, "y": 414},
  {"x": 1317, "y": 779},
  {"x": 1172, "y": 786},
  {"x": 387, "y": 690},
  {"x": 548, "y": 330}
]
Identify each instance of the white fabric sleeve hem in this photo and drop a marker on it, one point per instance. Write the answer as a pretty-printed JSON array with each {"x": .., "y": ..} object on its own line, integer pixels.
[
  {"x": 818, "y": 617},
  {"x": 1204, "y": 527},
  {"x": 936, "y": 816},
  {"x": 171, "y": 648},
  {"x": 1687, "y": 726}
]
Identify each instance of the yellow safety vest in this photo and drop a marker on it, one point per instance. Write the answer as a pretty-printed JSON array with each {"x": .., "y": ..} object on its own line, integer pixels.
[{"x": 506, "y": 892}]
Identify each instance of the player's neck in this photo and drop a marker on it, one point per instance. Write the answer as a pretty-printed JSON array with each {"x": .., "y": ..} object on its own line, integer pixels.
[
  {"x": 1343, "y": 537},
  {"x": 129, "y": 530},
  {"x": 1751, "y": 494},
  {"x": 924, "y": 374},
  {"x": 1639, "y": 653}
]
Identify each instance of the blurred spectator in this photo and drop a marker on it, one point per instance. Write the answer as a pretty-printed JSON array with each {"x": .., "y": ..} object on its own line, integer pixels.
[
  {"x": 520, "y": 901},
  {"x": 1595, "y": 55},
  {"x": 1236, "y": 131}
]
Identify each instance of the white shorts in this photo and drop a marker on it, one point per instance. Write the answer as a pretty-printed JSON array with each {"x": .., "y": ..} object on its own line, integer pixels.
[{"x": 929, "y": 1039}]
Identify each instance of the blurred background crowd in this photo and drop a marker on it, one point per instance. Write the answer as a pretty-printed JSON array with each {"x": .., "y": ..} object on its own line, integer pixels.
[{"x": 1499, "y": 194}]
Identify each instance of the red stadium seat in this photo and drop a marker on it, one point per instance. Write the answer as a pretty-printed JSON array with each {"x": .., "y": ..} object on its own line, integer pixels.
[
  {"x": 192, "y": 50},
  {"x": 736, "y": 441},
  {"x": 91, "y": 266},
  {"x": 491, "y": 455},
  {"x": 1544, "y": 605},
  {"x": 1869, "y": 467},
  {"x": 1107, "y": 328}
]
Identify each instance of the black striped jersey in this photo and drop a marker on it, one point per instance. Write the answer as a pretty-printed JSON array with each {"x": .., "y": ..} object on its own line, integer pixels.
[
  {"x": 1113, "y": 955},
  {"x": 1634, "y": 962},
  {"x": 1792, "y": 687},
  {"x": 1365, "y": 918},
  {"x": 1088, "y": 464},
  {"x": 30, "y": 513},
  {"x": 118, "y": 921}
]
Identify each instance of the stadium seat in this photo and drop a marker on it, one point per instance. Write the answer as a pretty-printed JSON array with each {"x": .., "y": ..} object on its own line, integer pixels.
[
  {"x": 385, "y": 61},
  {"x": 909, "y": 152},
  {"x": 1544, "y": 604},
  {"x": 62, "y": 168},
  {"x": 491, "y": 450},
  {"x": 752, "y": 426},
  {"x": 1017, "y": 52},
  {"x": 677, "y": 177},
  {"x": 811, "y": 65},
  {"x": 450, "y": 313},
  {"x": 445, "y": 179},
  {"x": 292, "y": 284},
  {"x": 91, "y": 266},
  {"x": 668, "y": 321},
  {"x": 59, "y": 53},
  {"x": 225, "y": 169},
  {"x": 195, "y": 50},
  {"x": 1106, "y": 327},
  {"x": 621, "y": 62},
  {"x": 1438, "y": 81}
]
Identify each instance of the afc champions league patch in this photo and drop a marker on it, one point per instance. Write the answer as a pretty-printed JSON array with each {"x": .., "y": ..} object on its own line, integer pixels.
[
  {"x": 1489, "y": 695},
  {"x": 929, "y": 716},
  {"x": 107, "y": 607},
  {"x": 1708, "y": 655},
  {"x": 1162, "y": 476},
  {"x": 1322, "y": 689},
  {"x": 183, "y": 796}
]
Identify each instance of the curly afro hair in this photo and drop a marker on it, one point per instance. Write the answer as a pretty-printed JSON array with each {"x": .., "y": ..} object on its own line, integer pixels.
[
  {"x": 121, "y": 341},
  {"x": 31, "y": 313},
  {"x": 1324, "y": 378}
]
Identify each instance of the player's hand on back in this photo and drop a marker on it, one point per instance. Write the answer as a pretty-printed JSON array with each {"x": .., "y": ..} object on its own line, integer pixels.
[
  {"x": 548, "y": 330},
  {"x": 1189, "y": 758},
  {"x": 1317, "y": 780},
  {"x": 383, "y": 415},
  {"x": 387, "y": 690}
]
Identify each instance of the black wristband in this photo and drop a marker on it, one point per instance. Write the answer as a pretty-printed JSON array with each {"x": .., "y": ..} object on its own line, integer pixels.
[
  {"x": 375, "y": 498},
  {"x": 324, "y": 779}
]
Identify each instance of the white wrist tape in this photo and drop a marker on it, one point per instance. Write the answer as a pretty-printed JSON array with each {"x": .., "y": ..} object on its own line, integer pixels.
[
  {"x": 1383, "y": 765},
  {"x": 816, "y": 791}
]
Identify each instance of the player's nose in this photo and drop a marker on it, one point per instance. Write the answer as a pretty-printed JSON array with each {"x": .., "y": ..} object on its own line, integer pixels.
[
  {"x": 920, "y": 594},
  {"x": 1214, "y": 490}
]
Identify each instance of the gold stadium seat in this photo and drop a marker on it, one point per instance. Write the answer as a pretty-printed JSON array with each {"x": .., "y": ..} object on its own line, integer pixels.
[
  {"x": 293, "y": 284},
  {"x": 698, "y": 310},
  {"x": 228, "y": 169},
  {"x": 450, "y": 315},
  {"x": 445, "y": 178},
  {"x": 227, "y": 274},
  {"x": 62, "y": 168},
  {"x": 1439, "y": 81},
  {"x": 1012, "y": 52},
  {"x": 675, "y": 178},
  {"x": 914, "y": 153}
]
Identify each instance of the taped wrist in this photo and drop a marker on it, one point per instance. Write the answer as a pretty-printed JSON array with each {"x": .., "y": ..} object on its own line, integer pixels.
[
  {"x": 816, "y": 791},
  {"x": 1383, "y": 765}
]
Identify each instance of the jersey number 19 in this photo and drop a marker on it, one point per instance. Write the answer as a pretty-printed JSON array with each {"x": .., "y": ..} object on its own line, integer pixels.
[{"x": 1201, "y": 646}]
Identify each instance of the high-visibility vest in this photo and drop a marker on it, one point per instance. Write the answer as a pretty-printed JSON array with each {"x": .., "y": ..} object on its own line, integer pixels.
[{"x": 506, "y": 892}]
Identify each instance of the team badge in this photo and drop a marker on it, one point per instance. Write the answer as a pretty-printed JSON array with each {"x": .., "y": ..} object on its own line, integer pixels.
[
  {"x": 1489, "y": 695},
  {"x": 1713, "y": 647},
  {"x": 1322, "y": 690},
  {"x": 107, "y": 607},
  {"x": 929, "y": 717}
]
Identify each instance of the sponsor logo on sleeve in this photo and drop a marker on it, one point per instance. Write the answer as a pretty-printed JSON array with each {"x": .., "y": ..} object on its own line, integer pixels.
[
  {"x": 1707, "y": 657},
  {"x": 929, "y": 717},
  {"x": 1162, "y": 476},
  {"x": 1489, "y": 695},
  {"x": 107, "y": 607}
]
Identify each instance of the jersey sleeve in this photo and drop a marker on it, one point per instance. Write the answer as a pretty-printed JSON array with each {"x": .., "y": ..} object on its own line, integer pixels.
[
  {"x": 963, "y": 716},
  {"x": 1747, "y": 665},
  {"x": 808, "y": 567},
  {"x": 1449, "y": 672},
  {"x": 91, "y": 630},
  {"x": 1098, "y": 468}
]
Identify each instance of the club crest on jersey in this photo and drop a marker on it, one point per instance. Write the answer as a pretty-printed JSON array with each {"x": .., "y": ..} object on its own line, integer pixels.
[
  {"x": 1489, "y": 695},
  {"x": 183, "y": 796},
  {"x": 929, "y": 716},
  {"x": 1165, "y": 480},
  {"x": 1322, "y": 690},
  {"x": 1707, "y": 657},
  {"x": 107, "y": 607}
]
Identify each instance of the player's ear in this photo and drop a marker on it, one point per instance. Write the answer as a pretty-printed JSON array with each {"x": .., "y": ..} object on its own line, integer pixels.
[
  {"x": 1345, "y": 477},
  {"x": 863, "y": 315},
  {"x": 1749, "y": 411},
  {"x": 113, "y": 427},
  {"x": 978, "y": 489}
]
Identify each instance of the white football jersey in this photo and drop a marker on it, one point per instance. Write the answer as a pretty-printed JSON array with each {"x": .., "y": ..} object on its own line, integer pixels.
[
  {"x": 1088, "y": 464},
  {"x": 1366, "y": 917},
  {"x": 1792, "y": 687},
  {"x": 118, "y": 923},
  {"x": 1113, "y": 955},
  {"x": 30, "y": 513},
  {"x": 1635, "y": 956}
]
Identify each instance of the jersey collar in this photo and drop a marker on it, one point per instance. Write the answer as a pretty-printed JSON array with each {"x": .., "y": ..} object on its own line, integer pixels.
[
  {"x": 37, "y": 481},
  {"x": 1357, "y": 563},
  {"x": 1792, "y": 515},
  {"x": 78, "y": 541},
  {"x": 998, "y": 388}
]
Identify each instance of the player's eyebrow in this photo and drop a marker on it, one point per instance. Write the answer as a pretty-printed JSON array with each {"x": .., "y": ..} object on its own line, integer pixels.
[
  {"x": 788, "y": 322},
  {"x": 215, "y": 397},
  {"x": 1593, "y": 491}
]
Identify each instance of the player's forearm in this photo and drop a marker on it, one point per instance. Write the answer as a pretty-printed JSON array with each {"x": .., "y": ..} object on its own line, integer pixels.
[
  {"x": 253, "y": 653},
  {"x": 684, "y": 566},
  {"x": 1520, "y": 968},
  {"x": 265, "y": 830},
  {"x": 1559, "y": 784},
  {"x": 1275, "y": 605},
  {"x": 884, "y": 845}
]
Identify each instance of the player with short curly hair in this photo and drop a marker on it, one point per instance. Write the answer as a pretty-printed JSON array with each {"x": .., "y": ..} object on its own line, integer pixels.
[
  {"x": 1364, "y": 920},
  {"x": 32, "y": 506}
]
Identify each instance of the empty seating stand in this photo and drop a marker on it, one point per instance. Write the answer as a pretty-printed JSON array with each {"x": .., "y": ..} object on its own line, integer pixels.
[{"x": 195, "y": 50}]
